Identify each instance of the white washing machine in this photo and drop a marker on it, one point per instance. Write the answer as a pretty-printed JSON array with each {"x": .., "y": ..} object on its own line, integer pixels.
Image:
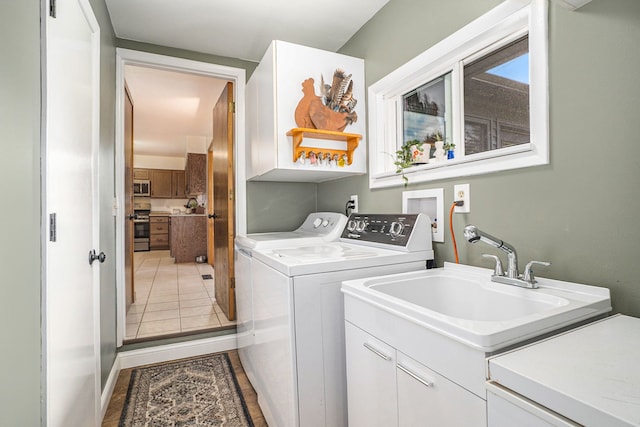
[
  {"x": 298, "y": 352},
  {"x": 317, "y": 228}
]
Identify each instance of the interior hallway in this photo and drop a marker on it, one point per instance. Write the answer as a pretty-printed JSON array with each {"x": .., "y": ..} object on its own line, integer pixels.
[{"x": 172, "y": 298}]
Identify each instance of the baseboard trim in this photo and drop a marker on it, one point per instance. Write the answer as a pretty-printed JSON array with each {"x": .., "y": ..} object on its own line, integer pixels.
[
  {"x": 163, "y": 353},
  {"x": 110, "y": 385}
]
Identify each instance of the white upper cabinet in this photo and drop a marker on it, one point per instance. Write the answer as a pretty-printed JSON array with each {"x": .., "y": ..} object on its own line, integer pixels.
[{"x": 287, "y": 92}]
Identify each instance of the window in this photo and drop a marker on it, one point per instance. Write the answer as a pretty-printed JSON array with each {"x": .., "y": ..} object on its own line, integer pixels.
[{"x": 483, "y": 90}]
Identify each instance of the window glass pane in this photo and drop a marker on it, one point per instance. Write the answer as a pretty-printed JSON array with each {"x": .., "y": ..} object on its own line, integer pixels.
[
  {"x": 425, "y": 113},
  {"x": 496, "y": 99}
]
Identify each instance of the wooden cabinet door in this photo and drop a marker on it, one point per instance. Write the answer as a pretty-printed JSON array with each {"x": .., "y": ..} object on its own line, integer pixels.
[
  {"x": 179, "y": 185},
  {"x": 161, "y": 183},
  {"x": 141, "y": 173},
  {"x": 196, "y": 172}
]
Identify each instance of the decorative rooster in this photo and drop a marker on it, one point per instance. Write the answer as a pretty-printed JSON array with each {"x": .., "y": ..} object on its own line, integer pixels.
[{"x": 334, "y": 110}]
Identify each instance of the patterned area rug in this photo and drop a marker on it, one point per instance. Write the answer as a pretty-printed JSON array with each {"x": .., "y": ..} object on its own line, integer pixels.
[{"x": 201, "y": 392}]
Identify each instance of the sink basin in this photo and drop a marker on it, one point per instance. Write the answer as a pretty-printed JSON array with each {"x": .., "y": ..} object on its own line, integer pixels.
[
  {"x": 468, "y": 298},
  {"x": 463, "y": 303}
]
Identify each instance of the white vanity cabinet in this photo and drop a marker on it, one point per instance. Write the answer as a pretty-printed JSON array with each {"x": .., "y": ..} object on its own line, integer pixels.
[
  {"x": 371, "y": 380},
  {"x": 273, "y": 93},
  {"x": 386, "y": 387}
]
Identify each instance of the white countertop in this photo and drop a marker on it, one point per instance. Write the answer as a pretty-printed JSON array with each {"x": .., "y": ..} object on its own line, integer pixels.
[{"x": 590, "y": 375}]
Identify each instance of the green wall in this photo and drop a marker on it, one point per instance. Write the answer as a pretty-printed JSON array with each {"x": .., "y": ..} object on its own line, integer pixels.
[
  {"x": 20, "y": 262},
  {"x": 579, "y": 212}
]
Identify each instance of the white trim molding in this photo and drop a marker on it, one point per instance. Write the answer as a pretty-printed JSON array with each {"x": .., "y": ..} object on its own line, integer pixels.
[
  {"x": 235, "y": 75},
  {"x": 506, "y": 22}
]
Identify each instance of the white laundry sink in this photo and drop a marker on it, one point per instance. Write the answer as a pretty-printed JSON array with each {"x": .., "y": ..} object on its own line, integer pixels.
[{"x": 463, "y": 303}]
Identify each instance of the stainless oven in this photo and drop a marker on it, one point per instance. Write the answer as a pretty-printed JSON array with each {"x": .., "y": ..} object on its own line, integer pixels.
[
  {"x": 141, "y": 225},
  {"x": 141, "y": 188}
]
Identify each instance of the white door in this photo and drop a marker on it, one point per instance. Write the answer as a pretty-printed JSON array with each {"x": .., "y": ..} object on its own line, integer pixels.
[{"x": 71, "y": 87}]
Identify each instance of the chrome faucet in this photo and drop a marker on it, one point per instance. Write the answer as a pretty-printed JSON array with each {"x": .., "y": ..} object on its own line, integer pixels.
[{"x": 511, "y": 277}]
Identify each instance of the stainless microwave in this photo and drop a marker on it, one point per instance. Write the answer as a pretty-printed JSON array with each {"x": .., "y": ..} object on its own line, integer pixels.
[{"x": 141, "y": 187}]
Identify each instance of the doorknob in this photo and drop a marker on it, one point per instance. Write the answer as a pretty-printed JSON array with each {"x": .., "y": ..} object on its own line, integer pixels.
[
  {"x": 213, "y": 215},
  {"x": 132, "y": 216},
  {"x": 92, "y": 256}
]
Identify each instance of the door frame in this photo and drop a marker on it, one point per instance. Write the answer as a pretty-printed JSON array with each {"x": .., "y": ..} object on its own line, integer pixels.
[{"x": 134, "y": 57}]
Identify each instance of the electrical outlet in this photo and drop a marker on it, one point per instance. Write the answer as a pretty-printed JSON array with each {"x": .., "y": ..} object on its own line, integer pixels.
[
  {"x": 461, "y": 192},
  {"x": 354, "y": 199}
]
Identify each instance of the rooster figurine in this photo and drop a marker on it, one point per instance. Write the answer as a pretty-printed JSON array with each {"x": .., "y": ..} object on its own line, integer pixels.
[{"x": 334, "y": 110}]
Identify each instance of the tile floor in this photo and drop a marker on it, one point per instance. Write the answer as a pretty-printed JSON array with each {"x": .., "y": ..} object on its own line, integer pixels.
[{"x": 171, "y": 298}]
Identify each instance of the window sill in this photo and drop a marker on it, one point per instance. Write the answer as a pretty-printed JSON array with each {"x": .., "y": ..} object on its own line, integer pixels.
[{"x": 516, "y": 158}]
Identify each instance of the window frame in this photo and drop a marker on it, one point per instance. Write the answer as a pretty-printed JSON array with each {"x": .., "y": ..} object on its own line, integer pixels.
[{"x": 507, "y": 22}]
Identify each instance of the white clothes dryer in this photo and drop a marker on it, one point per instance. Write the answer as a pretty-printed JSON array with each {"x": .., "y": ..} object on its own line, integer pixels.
[
  {"x": 318, "y": 227},
  {"x": 298, "y": 353}
]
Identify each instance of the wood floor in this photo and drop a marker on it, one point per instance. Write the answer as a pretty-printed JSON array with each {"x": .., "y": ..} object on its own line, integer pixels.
[{"x": 114, "y": 411}]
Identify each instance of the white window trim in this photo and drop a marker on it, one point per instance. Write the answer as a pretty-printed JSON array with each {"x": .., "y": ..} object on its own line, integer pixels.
[{"x": 506, "y": 21}]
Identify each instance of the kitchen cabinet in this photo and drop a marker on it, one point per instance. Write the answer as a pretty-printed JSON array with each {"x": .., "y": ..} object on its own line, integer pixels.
[
  {"x": 385, "y": 387},
  {"x": 178, "y": 185},
  {"x": 159, "y": 232},
  {"x": 141, "y": 174},
  {"x": 196, "y": 174},
  {"x": 161, "y": 183},
  {"x": 167, "y": 184},
  {"x": 188, "y": 237},
  {"x": 285, "y": 78}
]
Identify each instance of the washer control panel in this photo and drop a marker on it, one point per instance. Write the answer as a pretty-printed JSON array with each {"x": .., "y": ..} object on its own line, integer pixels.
[{"x": 385, "y": 229}]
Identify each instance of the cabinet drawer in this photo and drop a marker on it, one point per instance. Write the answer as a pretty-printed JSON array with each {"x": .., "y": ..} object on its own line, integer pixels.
[
  {"x": 160, "y": 228},
  {"x": 159, "y": 240},
  {"x": 159, "y": 219}
]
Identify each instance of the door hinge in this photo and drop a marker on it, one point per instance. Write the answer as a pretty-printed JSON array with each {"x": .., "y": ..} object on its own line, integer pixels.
[
  {"x": 52, "y": 8},
  {"x": 232, "y": 107},
  {"x": 52, "y": 227},
  {"x": 233, "y": 283}
]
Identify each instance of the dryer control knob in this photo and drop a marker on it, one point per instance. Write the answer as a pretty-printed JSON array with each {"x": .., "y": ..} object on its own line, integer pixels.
[
  {"x": 317, "y": 222},
  {"x": 325, "y": 222},
  {"x": 361, "y": 226}
]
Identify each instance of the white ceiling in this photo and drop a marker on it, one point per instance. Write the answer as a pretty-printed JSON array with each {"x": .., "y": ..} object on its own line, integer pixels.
[
  {"x": 240, "y": 28},
  {"x": 171, "y": 107}
]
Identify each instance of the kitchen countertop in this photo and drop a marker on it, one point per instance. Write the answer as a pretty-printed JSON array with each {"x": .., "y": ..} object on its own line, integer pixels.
[
  {"x": 589, "y": 375},
  {"x": 162, "y": 213}
]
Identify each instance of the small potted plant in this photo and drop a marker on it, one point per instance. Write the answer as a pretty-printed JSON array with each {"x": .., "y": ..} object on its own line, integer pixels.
[
  {"x": 409, "y": 154},
  {"x": 449, "y": 148}
]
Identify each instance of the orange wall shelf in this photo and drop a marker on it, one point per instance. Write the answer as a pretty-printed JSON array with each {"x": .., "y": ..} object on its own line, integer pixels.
[{"x": 298, "y": 134}]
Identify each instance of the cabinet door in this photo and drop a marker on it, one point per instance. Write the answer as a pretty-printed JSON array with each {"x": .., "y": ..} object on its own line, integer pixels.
[
  {"x": 161, "y": 183},
  {"x": 179, "y": 185},
  {"x": 506, "y": 409},
  {"x": 196, "y": 172},
  {"x": 141, "y": 174},
  {"x": 428, "y": 399},
  {"x": 371, "y": 380}
]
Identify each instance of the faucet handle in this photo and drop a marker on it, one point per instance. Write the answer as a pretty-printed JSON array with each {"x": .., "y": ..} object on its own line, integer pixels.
[
  {"x": 498, "y": 271},
  {"x": 528, "y": 271}
]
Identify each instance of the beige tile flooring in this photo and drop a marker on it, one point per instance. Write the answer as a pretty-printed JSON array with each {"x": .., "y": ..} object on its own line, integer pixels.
[{"x": 171, "y": 298}]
